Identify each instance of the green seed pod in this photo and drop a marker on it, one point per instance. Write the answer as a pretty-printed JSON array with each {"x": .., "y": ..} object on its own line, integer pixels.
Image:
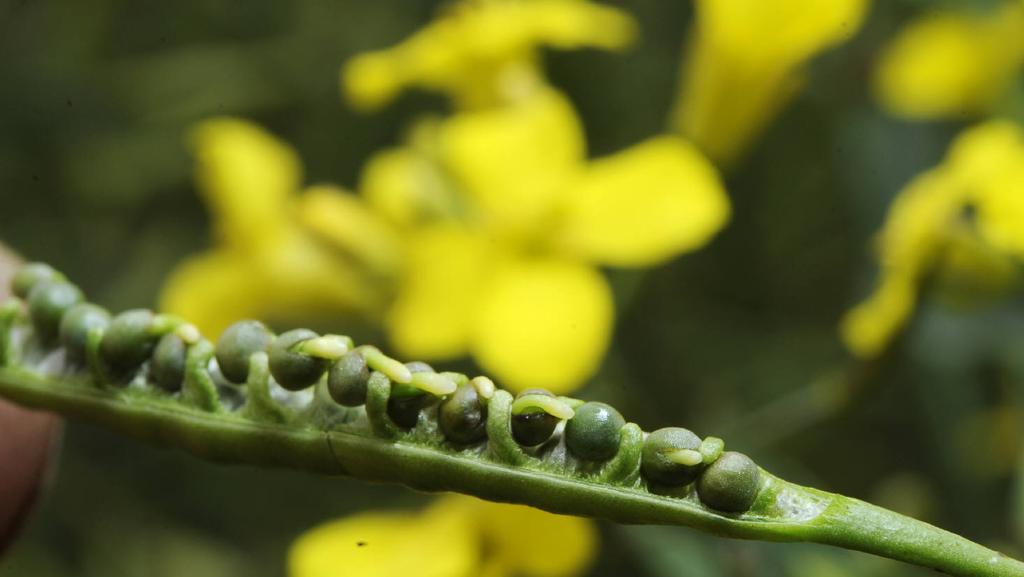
[
  {"x": 463, "y": 418},
  {"x": 405, "y": 403},
  {"x": 48, "y": 302},
  {"x": 593, "y": 432},
  {"x": 671, "y": 456},
  {"x": 239, "y": 342},
  {"x": 128, "y": 341},
  {"x": 532, "y": 428},
  {"x": 347, "y": 378},
  {"x": 293, "y": 370},
  {"x": 30, "y": 275},
  {"x": 167, "y": 369},
  {"x": 730, "y": 484},
  {"x": 76, "y": 324}
]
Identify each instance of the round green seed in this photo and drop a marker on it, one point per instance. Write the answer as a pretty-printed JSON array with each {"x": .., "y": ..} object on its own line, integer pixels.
[
  {"x": 30, "y": 275},
  {"x": 239, "y": 342},
  {"x": 347, "y": 379},
  {"x": 47, "y": 303},
  {"x": 663, "y": 458},
  {"x": 533, "y": 427},
  {"x": 463, "y": 418},
  {"x": 293, "y": 370},
  {"x": 167, "y": 369},
  {"x": 593, "y": 432},
  {"x": 730, "y": 484},
  {"x": 76, "y": 324},
  {"x": 403, "y": 409},
  {"x": 128, "y": 341}
]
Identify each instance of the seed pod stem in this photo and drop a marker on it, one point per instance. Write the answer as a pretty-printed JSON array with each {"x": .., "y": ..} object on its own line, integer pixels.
[
  {"x": 163, "y": 324},
  {"x": 378, "y": 392},
  {"x": 328, "y": 347},
  {"x": 624, "y": 467},
  {"x": 188, "y": 332},
  {"x": 711, "y": 449},
  {"x": 499, "y": 430},
  {"x": 433, "y": 383},
  {"x": 484, "y": 387},
  {"x": 199, "y": 389},
  {"x": 688, "y": 457},
  {"x": 392, "y": 369},
  {"x": 9, "y": 313},
  {"x": 553, "y": 406},
  {"x": 93, "y": 358},
  {"x": 259, "y": 405},
  {"x": 196, "y": 420}
]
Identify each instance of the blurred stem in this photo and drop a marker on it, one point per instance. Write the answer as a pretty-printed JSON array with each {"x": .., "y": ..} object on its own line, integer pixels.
[
  {"x": 837, "y": 391},
  {"x": 823, "y": 399}
]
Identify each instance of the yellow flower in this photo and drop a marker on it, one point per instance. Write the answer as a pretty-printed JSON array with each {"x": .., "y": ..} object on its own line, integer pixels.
[
  {"x": 457, "y": 536},
  {"x": 746, "y": 59},
  {"x": 266, "y": 263},
  {"x": 483, "y": 52},
  {"x": 959, "y": 225},
  {"x": 952, "y": 63},
  {"x": 505, "y": 220}
]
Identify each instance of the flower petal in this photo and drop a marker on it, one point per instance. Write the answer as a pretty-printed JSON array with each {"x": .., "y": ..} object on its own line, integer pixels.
[
  {"x": 514, "y": 162},
  {"x": 478, "y": 52},
  {"x": 246, "y": 176},
  {"x": 869, "y": 327},
  {"x": 988, "y": 161},
  {"x": 783, "y": 32},
  {"x": 406, "y": 186},
  {"x": 645, "y": 205},
  {"x": 211, "y": 290},
  {"x": 527, "y": 541},
  {"x": 947, "y": 64},
  {"x": 388, "y": 545},
  {"x": 343, "y": 219},
  {"x": 432, "y": 315},
  {"x": 543, "y": 323},
  {"x": 746, "y": 62},
  {"x": 292, "y": 281}
]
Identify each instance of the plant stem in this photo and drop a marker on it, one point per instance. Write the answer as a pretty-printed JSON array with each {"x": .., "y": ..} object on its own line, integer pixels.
[{"x": 783, "y": 511}]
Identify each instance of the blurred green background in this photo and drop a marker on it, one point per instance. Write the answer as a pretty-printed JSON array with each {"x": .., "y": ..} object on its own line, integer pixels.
[{"x": 738, "y": 339}]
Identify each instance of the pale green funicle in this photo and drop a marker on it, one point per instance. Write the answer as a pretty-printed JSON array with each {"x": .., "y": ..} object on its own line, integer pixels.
[{"x": 389, "y": 428}]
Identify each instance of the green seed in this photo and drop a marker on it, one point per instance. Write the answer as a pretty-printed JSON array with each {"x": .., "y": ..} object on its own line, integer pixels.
[
  {"x": 664, "y": 456},
  {"x": 405, "y": 403},
  {"x": 730, "y": 484},
  {"x": 128, "y": 341},
  {"x": 532, "y": 428},
  {"x": 462, "y": 417},
  {"x": 593, "y": 432},
  {"x": 30, "y": 275},
  {"x": 168, "y": 366},
  {"x": 48, "y": 302},
  {"x": 292, "y": 370},
  {"x": 76, "y": 324},
  {"x": 239, "y": 342},
  {"x": 347, "y": 378}
]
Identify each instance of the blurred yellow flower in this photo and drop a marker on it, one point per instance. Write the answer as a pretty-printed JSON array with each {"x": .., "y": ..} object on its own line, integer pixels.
[
  {"x": 483, "y": 52},
  {"x": 952, "y": 63},
  {"x": 746, "y": 59},
  {"x": 959, "y": 225},
  {"x": 456, "y": 536},
  {"x": 266, "y": 263},
  {"x": 504, "y": 221}
]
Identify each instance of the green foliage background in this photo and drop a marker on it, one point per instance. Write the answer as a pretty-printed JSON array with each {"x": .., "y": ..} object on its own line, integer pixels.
[{"x": 735, "y": 340}]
